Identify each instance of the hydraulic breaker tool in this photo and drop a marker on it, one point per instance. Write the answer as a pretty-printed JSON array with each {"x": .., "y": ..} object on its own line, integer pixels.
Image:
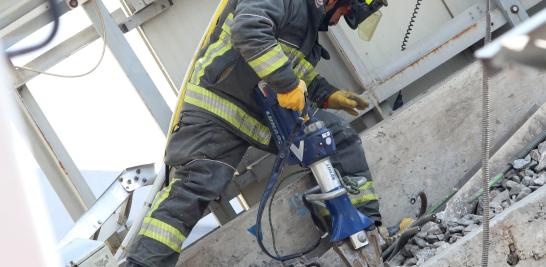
[{"x": 309, "y": 143}]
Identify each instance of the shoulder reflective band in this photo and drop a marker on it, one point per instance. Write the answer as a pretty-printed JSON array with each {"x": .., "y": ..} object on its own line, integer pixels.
[
  {"x": 234, "y": 115},
  {"x": 218, "y": 48},
  {"x": 302, "y": 68},
  {"x": 162, "y": 233},
  {"x": 269, "y": 62}
]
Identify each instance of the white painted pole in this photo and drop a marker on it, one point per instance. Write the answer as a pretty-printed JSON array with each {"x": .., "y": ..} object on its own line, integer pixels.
[{"x": 26, "y": 238}]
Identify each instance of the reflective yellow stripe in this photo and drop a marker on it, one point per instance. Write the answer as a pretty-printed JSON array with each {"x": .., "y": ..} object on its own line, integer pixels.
[
  {"x": 218, "y": 48},
  {"x": 302, "y": 68},
  {"x": 228, "y": 111},
  {"x": 269, "y": 62},
  {"x": 366, "y": 185},
  {"x": 161, "y": 196},
  {"x": 368, "y": 195},
  {"x": 368, "y": 2},
  {"x": 175, "y": 119},
  {"x": 363, "y": 199},
  {"x": 163, "y": 233}
]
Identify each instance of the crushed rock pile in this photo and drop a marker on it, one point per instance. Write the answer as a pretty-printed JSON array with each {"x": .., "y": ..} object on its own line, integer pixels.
[{"x": 526, "y": 175}]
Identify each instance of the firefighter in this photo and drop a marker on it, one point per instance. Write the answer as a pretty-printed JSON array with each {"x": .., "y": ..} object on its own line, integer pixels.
[{"x": 271, "y": 40}]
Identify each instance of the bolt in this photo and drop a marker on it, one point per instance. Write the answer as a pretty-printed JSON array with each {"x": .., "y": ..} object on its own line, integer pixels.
[
  {"x": 99, "y": 222},
  {"x": 138, "y": 171},
  {"x": 136, "y": 178},
  {"x": 361, "y": 237},
  {"x": 129, "y": 181},
  {"x": 73, "y": 3},
  {"x": 514, "y": 9},
  {"x": 120, "y": 179},
  {"x": 144, "y": 180}
]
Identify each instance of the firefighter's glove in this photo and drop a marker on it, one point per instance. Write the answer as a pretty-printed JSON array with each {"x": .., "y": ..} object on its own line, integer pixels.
[
  {"x": 295, "y": 99},
  {"x": 346, "y": 101}
]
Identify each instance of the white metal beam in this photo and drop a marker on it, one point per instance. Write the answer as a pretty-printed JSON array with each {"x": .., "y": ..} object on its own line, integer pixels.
[
  {"x": 62, "y": 51},
  {"x": 59, "y": 152},
  {"x": 130, "y": 63},
  {"x": 52, "y": 167},
  {"x": 29, "y": 23},
  {"x": 20, "y": 224},
  {"x": 11, "y": 10},
  {"x": 513, "y": 11}
]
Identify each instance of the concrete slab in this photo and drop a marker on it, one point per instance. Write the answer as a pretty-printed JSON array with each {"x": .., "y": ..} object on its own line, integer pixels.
[
  {"x": 534, "y": 126},
  {"x": 434, "y": 143},
  {"x": 430, "y": 145},
  {"x": 234, "y": 245},
  {"x": 518, "y": 233}
]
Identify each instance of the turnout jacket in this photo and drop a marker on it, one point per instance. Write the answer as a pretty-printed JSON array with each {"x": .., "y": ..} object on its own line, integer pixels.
[{"x": 271, "y": 40}]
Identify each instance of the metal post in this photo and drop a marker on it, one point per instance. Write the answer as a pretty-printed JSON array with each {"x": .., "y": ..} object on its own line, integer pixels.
[
  {"x": 21, "y": 224},
  {"x": 129, "y": 62},
  {"x": 66, "y": 164},
  {"x": 52, "y": 167}
]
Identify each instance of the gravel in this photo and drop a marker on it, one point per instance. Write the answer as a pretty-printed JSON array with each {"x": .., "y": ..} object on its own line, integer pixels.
[{"x": 527, "y": 175}]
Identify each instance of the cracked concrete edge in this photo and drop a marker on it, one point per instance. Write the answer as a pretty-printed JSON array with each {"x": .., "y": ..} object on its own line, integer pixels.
[
  {"x": 533, "y": 127},
  {"x": 434, "y": 143},
  {"x": 520, "y": 226}
]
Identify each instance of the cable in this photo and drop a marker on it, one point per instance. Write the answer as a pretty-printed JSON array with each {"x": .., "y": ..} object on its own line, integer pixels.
[
  {"x": 486, "y": 142},
  {"x": 103, "y": 34},
  {"x": 55, "y": 14},
  {"x": 410, "y": 25},
  {"x": 284, "y": 151},
  {"x": 304, "y": 171}
]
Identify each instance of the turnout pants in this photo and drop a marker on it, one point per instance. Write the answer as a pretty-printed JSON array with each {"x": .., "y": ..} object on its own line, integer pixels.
[{"x": 205, "y": 155}]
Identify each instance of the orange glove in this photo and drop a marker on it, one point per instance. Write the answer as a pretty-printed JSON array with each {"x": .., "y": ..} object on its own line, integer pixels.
[
  {"x": 346, "y": 101},
  {"x": 294, "y": 99}
]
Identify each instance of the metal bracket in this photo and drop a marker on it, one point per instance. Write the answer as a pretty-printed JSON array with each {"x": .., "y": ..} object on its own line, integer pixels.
[
  {"x": 136, "y": 177},
  {"x": 137, "y": 5},
  {"x": 513, "y": 10},
  {"x": 110, "y": 201},
  {"x": 145, "y": 14}
]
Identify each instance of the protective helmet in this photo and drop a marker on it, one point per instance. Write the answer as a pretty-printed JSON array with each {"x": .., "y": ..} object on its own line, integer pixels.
[{"x": 360, "y": 10}]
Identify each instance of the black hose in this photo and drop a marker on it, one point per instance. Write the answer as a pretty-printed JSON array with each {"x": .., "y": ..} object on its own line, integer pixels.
[
  {"x": 277, "y": 169},
  {"x": 55, "y": 14},
  {"x": 400, "y": 243},
  {"x": 269, "y": 209},
  {"x": 317, "y": 220},
  {"x": 423, "y": 203},
  {"x": 422, "y": 220}
]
